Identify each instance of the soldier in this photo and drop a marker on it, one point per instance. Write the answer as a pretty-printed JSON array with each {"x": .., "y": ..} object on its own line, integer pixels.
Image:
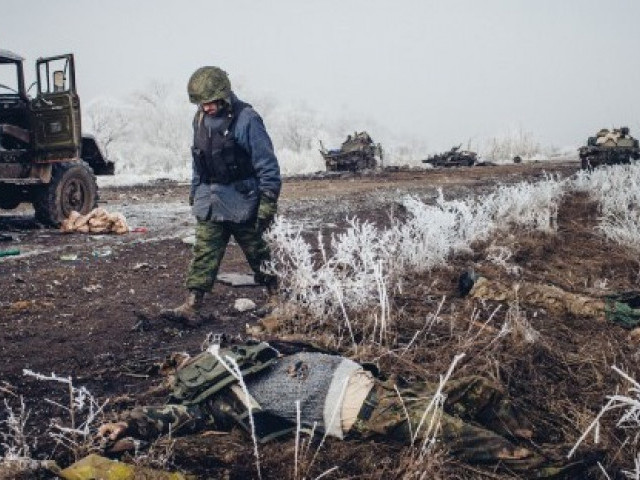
[
  {"x": 621, "y": 308},
  {"x": 234, "y": 189},
  {"x": 341, "y": 398}
]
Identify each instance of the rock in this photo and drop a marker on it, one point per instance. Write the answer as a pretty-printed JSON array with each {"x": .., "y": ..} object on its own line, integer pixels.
[
  {"x": 634, "y": 336},
  {"x": 244, "y": 305},
  {"x": 189, "y": 240},
  {"x": 237, "y": 279}
]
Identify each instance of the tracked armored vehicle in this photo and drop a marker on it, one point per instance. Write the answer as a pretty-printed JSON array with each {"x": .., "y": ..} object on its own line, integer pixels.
[
  {"x": 453, "y": 158},
  {"x": 357, "y": 152},
  {"x": 609, "y": 147},
  {"x": 44, "y": 158}
]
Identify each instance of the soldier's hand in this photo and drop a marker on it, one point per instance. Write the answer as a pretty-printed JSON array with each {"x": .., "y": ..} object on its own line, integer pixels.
[{"x": 113, "y": 430}]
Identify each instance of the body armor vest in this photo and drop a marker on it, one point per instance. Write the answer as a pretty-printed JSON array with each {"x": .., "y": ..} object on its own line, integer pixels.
[{"x": 217, "y": 156}]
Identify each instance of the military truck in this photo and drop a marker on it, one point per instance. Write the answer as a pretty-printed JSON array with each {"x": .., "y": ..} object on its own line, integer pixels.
[
  {"x": 453, "y": 158},
  {"x": 609, "y": 147},
  {"x": 357, "y": 152},
  {"x": 44, "y": 158}
]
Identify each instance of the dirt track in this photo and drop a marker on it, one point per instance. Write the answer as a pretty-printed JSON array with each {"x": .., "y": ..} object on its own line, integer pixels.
[{"x": 81, "y": 317}]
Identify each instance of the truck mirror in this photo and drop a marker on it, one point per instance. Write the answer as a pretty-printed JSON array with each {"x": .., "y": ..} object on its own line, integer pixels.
[{"x": 58, "y": 81}]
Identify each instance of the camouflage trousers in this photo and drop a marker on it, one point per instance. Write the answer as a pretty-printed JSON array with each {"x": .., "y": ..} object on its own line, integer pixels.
[
  {"x": 478, "y": 425},
  {"x": 211, "y": 243}
]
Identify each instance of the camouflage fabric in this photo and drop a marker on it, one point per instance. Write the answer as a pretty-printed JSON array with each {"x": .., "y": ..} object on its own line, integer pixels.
[
  {"x": 553, "y": 299},
  {"x": 150, "y": 422},
  {"x": 622, "y": 309},
  {"x": 477, "y": 426},
  {"x": 208, "y": 84},
  {"x": 211, "y": 242}
]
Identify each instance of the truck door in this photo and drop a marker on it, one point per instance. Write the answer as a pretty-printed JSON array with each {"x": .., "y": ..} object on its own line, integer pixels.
[{"x": 56, "y": 110}]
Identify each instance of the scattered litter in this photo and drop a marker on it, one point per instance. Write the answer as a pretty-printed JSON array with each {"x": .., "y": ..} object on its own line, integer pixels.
[
  {"x": 105, "y": 252},
  {"x": 19, "y": 306},
  {"x": 237, "y": 279},
  {"x": 71, "y": 257},
  {"x": 139, "y": 230},
  {"x": 92, "y": 288},
  {"x": 190, "y": 240},
  {"x": 97, "y": 220},
  {"x": 10, "y": 252},
  {"x": 95, "y": 466},
  {"x": 244, "y": 305},
  {"x": 141, "y": 266}
]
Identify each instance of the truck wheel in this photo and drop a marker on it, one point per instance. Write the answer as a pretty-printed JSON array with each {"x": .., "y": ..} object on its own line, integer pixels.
[
  {"x": 10, "y": 197},
  {"x": 72, "y": 187}
]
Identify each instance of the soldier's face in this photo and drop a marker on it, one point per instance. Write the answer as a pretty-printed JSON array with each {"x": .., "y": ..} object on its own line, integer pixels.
[{"x": 210, "y": 108}]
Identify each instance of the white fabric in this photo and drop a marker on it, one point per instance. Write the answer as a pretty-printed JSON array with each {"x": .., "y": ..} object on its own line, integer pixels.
[
  {"x": 334, "y": 399},
  {"x": 360, "y": 384}
]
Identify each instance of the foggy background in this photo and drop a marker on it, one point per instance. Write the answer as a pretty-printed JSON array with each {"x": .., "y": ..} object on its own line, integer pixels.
[{"x": 419, "y": 75}]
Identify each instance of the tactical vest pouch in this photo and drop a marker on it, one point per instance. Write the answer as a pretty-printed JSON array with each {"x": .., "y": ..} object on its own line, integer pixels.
[{"x": 204, "y": 375}]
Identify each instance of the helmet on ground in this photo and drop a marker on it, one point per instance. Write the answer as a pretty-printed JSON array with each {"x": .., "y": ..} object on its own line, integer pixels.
[{"x": 208, "y": 84}]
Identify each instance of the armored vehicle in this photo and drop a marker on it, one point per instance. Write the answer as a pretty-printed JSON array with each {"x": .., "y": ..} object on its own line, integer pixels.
[
  {"x": 357, "y": 152},
  {"x": 453, "y": 158},
  {"x": 44, "y": 159},
  {"x": 609, "y": 147}
]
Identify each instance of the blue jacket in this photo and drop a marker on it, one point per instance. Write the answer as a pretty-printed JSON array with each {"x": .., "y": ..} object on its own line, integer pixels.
[{"x": 238, "y": 201}]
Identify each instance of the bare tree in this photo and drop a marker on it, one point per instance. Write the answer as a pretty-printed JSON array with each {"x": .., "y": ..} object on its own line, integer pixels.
[{"x": 109, "y": 123}]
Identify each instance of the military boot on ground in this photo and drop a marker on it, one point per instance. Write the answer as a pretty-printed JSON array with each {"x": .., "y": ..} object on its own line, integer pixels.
[{"x": 189, "y": 313}]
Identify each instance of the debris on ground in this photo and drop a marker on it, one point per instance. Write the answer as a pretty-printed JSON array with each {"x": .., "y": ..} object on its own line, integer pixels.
[
  {"x": 104, "y": 252},
  {"x": 189, "y": 240},
  {"x": 244, "y": 305},
  {"x": 237, "y": 279},
  {"x": 97, "y": 220},
  {"x": 10, "y": 252},
  {"x": 94, "y": 467}
]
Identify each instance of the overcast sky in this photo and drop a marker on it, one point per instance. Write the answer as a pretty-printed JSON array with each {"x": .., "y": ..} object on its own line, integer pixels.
[{"x": 442, "y": 71}]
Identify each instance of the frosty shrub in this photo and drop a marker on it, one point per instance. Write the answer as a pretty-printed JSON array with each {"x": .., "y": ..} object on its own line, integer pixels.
[
  {"x": 83, "y": 412},
  {"x": 617, "y": 191},
  {"x": 514, "y": 143},
  {"x": 627, "y": 408},
  {"x": 13, "y": 436},
  {"x": 361, "y": 266}
]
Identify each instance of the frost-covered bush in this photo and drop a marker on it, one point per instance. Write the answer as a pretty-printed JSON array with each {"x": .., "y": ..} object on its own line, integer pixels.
[
  {"x": 360, "y": 266},
  {"x": 504, "y": 147},
  {"x": 627, "y": 409},
  {"x": 617, "y": 191}
]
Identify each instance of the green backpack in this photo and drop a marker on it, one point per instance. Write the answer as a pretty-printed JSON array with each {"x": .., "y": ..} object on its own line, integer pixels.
[{"x": 203, "y": 375}]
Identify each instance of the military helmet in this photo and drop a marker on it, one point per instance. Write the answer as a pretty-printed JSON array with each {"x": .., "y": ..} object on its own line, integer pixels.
[{"x": 208, "y": 84}]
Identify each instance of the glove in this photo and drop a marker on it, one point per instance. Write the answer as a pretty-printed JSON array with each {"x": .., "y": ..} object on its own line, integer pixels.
[
  {"x": 191, "y": 200},
  {"x": 267, "y": 209}
]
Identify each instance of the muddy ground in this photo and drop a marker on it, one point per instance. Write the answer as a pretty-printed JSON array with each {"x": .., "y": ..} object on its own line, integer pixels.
[{"x": 83, "y": 306}]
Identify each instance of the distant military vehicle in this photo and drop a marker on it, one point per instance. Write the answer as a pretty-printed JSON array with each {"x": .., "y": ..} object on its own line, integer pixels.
[
  {"x": 609, "y": 147},
  {"x": 357, "y": 152},
  {"x": 453, "y": 158},
  {"x": 44, "y": 159}
]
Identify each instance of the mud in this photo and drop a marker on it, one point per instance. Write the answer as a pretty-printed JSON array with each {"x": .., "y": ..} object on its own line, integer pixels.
[{"x": 83, "y": 306}]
